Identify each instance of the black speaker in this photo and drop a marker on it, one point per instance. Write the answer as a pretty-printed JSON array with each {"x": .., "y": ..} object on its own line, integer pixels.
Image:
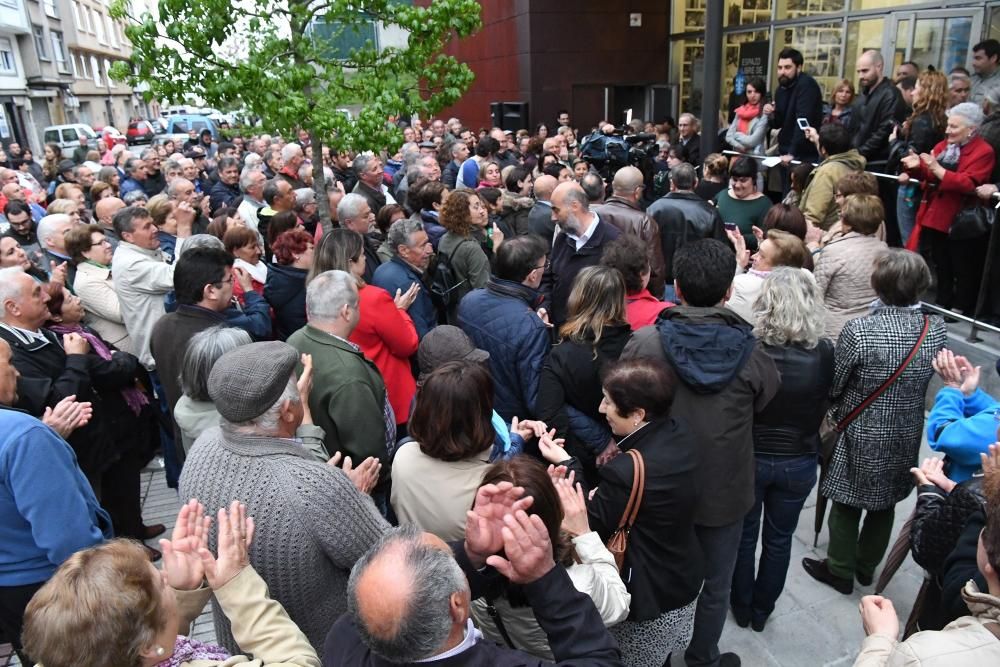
[{"x": 511, "y": 116}]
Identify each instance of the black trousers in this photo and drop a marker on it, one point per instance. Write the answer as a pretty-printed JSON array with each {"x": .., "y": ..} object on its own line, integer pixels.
[
  {"x": 959, "y": 266},
  {"x": 13, "y": 600}
]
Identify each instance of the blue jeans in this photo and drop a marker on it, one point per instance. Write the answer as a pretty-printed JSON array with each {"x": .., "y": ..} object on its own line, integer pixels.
[
  {"x": 719, "y": 546},
  {"x": 907, "y": 202},
  {"x": 782, "y": 484},
  {"x": 171, "y": 462}
]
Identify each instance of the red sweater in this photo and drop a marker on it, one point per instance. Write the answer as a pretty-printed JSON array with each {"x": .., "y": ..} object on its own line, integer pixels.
[
  {"x": 386, "y": 336},
  {"x": 642, "y": 309},
  {"x": 945, "y": 198}
]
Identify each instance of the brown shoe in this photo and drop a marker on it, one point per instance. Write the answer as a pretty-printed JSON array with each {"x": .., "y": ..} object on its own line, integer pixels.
[
  {"x": 820, "y": 571},
  {"x": 149, "y": 532},
  {"x": 153, "y": 554}
]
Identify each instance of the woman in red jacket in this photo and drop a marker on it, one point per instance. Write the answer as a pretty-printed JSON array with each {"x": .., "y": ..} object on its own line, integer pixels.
[
  {"x": 951, "y": 172},
  {"x": 385, "y": 332}
]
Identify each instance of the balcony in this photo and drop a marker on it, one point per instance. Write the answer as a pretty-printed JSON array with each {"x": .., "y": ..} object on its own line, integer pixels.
[{"x": 13, "y": 17}]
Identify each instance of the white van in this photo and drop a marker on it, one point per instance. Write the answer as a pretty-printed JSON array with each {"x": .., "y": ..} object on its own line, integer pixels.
[{"x": 67, "y": 137}]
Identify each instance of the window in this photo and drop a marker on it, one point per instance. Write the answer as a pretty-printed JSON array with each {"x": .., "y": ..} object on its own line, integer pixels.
[
  {"x": 50, "y": 8},
  {"x": 39, "y": 34},
  {"x": 95, "y": 67},
  {"x": 99, "y": 24},
  {"x": 110, "y": 25},
  {"x": 107, "y": 73},
  {"x": 76, "y": 15},
  {"x": 72, "y": 63},
  {"x": 92, "y": 17},
  {"x": 51, "y": 137},
  {"x": 84, "y": 67},
  {"x": 70, "y": 135},
  {"x": 78, "y": 66},
  {"x": 58, "y": 50},
  {"x": 7, "y": 63}
]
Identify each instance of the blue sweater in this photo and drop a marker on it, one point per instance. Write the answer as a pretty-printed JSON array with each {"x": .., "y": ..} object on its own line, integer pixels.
[
  {"x": 397, "y": 274},
  {"x": 47, "y": 508},
  {"x": 962, "y": 428}
]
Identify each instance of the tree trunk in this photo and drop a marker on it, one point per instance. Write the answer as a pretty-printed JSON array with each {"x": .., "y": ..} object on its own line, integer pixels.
[{"x": 319, "y": 183}]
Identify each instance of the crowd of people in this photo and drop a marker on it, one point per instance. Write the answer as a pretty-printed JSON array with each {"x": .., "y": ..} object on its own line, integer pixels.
[{"x": 502, "y": 406}]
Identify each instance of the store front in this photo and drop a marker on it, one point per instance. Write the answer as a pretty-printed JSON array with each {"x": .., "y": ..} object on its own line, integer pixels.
[{"x": 831, "y": 34}]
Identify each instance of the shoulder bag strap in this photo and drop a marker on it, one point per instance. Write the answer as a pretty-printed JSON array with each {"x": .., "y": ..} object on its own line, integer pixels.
[
  {"x": 633, "y": 500},
  {"x": 843, "y": 423}
]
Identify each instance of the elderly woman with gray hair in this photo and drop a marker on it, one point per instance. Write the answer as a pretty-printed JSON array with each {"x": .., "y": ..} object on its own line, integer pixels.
[
  {"x": 313, "y": 521},
  {"x": 788, "y": 318},
  {"x": 885, "y": 356},
  {"x": 951, "y": 173}
]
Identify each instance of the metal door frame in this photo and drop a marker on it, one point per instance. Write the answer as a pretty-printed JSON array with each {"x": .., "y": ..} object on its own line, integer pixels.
[{"x": 976, "y": 13}]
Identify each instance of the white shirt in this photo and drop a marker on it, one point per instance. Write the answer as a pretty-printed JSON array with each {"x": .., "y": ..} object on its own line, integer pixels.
[
  {"x": 587, "y": 233},
  {"x": 472, "y": 636}
]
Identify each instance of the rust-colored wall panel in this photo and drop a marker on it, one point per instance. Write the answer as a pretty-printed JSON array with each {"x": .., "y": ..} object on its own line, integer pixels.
[{"x": 536, "y": 51}]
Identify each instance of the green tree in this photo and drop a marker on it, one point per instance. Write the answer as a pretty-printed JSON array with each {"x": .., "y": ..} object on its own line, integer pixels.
[{"x": 266, "y": 57}]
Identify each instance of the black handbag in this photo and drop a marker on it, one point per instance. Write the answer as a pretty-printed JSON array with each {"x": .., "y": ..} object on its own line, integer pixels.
[{"x": 972, "y": 222}]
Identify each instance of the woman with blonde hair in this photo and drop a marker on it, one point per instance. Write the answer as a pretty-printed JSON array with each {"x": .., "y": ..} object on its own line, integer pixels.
[
  {"x": 919, "y": 133},
  {"x": 595, "y": 333},
  {"x": 110, "y": 602},
  {"x": 844, "y": 267},
  {"x": 842, "y": 104}
]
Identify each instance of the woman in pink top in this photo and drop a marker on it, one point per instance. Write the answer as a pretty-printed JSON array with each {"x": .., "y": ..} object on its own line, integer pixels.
[
  {"x": 385, "y": 332},
  {"x": 630, "y": 255}
]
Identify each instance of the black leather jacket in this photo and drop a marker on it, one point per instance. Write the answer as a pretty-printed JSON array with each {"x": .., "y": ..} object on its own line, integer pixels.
[
  {"x": 683, "y": 217},
  {"x": 877, "y": 111},
  {"x": 789, "y": 425}
]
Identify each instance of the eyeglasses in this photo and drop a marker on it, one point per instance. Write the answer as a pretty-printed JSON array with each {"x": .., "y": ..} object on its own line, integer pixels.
[
  {"x": 227, "y": 281},
  {"x": 545, "y": 265},
  {"x": 100, "y": 243}
]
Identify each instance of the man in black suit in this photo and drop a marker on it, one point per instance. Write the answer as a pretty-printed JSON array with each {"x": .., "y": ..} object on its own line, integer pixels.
[{"x": 540, "y": 217}]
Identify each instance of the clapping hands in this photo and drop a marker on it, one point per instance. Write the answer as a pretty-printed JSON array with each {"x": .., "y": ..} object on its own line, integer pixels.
[{"x": 186, "y": 558}]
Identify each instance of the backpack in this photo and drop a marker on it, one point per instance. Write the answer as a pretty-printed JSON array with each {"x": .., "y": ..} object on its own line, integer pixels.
[{"x": 443, "y": 285}]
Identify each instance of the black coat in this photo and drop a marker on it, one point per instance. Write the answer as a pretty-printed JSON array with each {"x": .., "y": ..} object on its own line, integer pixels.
[
  {"x": 663, "y": 562},
  {"x": 572, "y": 376},
  {"x": 683, "y": 217},
  {"x": 878, "y": 109},
  {"x": 802, "y": 98},
  {"x": 569, "y": 619},
  {"x": 285, "y": 290},
  {"x": 565, "y": 262},
  {"x": 789, "y": 425}
]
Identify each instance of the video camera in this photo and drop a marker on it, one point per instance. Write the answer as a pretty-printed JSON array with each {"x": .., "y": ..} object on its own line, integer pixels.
[{"x": 610, "y": 152}]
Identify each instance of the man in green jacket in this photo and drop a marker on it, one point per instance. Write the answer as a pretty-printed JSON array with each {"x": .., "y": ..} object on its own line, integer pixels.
[
  {"x": 348, "y": 398},
  {"x": 818, "y": 203}
]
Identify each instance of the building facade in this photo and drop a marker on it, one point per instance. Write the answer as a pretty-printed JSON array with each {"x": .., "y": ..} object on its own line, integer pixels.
[
  {"x": 831, "y": 34},
  {"x": 14, "y": 98},
  {"x": 96, "y": 41}
]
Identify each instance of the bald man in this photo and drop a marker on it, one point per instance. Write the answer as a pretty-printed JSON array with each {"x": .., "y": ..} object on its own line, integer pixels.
[
  {"x": 105, "y": 211},
  {"x": 579, "y": 244},
  {"x": 409, "y": 598},
  {"x": 540, "y": 217},
  {"x": 622, "y": 210},
  {"x": 51, "y": 237},
  {"x": 880, "y": 107}
]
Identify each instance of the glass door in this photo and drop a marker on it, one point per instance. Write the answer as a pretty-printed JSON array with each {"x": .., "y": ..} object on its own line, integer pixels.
[{"x": 941, "y": 39}]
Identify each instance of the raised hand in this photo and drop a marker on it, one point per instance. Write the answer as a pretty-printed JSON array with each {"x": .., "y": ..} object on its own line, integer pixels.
[
  {"x": 404, "y": 300},
  {"x": 931, "y": 471},
  {"x": 991, "y": 461},
  {"x": 235, "y": 536},
  {"x": 527, "y": 428},
  {"x": 67, "y": 416},
  {"x": 484, "y": 522},
  {"x": 365, "y": 476},
  {"x": 551, "y": 448},
  {"x": 574, "y": 507},
  {"x": 74, "y": 343},
  {"x": 182, "y": 562},
  {"x": 879, "y": 616},
  {"x": 527, "y": 547}
]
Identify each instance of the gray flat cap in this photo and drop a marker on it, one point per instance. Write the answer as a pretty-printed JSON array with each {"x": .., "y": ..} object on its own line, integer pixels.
[{"x": 245, "y": 382}]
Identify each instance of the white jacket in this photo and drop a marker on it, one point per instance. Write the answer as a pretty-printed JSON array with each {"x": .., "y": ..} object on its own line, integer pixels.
[
  {"x": 142, "y": 278},
  {"x": 96, "y": 290}
]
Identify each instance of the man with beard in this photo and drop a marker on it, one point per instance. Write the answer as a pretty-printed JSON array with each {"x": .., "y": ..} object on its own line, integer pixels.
[
  {"x": 798, "y": 96},
  {"x": 880, "y": 107}
]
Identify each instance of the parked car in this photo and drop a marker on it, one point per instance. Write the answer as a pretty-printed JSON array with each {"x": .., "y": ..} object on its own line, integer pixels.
[
  {"x": 68, "y": 137},
  {"x": 111, "y": 135},
  {"x": 140, "y": 132},
  {"x": 178, "y": 126}
]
